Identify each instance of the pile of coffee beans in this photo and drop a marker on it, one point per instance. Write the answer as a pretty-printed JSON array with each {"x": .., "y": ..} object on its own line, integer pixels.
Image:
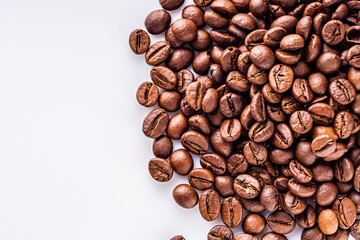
[{"x": 267, "y": 93}]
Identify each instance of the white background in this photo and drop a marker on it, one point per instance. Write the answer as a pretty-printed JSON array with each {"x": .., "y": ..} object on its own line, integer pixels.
[{"x": 73, "y": 159}]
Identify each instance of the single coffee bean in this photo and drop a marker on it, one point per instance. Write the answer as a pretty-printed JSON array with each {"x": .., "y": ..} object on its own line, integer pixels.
[
  {"x": 178, "y": 125},
  {"x": 237, "y": 164},
  {"x": 201, "y": 63},
  {"x": 303, "y": 27},
  {"x": 341, "y": 234},
  {"x": 333, "y": 32},
  {"x": 294, "y": 204},
  {"x": 237, "y": 81},
  {"x": 244, "y": 62},
  {"x": 186, "y": 109},
  {"x": 345, "y": 211},
  {"x": 307, "y": 218},
  {"x": 195, "y": 14},
  {"x": 158, "y": 53},
  {"x": 178, "y": 237},
  {"x": 353, "y": 76},
  {"x": 183, "y": 79},
  {"x": 281, "y": 184},
  {"x": 160, "y": 169},
  {"x": 342, "y": 91},
  {"x": 180, "y": 59},
  {"x": 206, "y": 81},
  {"x": 297, "y": 11},
  {"x": 299, "y": 172},
  {"x": 355, "y": 229},
  {"x": 287, "y": 22},
  {"x": 217, "y": 74},
  {"x": 281, "y": 78},
  {"x": 281, "y": 222},
  {"x": 292, "y": 42},
  {"x": 301, "y": 91},
  {"x": 275, "y": 113},
  {"x": 185, "y": 30},
  {"x": 215, "y": 20},
  {"x": 147, "y": 94},
  {"x": 281, "y": 157},
  {"x": 257, "y": 107},
  {"x": 262, "y": 56},
  {"x": 256, "y": 76},
  {"x": 162, "y": 147},
  {"x": 255, "y": 153},
  {"x": 260, "y": 174},
  {"x": 219, "y": 145},
  {"x": 210, "y": 100},
  {"x": 313, "y": 233},
  {"x": 261, "y": 131},
  {"x": 314, "y": 8},
  {"x": 195, "y": 142},
  {"x": 163, "y": 77},
  {"x": 283, "y": 137},
  {"x": 200, "y": 124},
  {"x": 270, "y": 198},
  {"x": 352, "y": 56},
  {"x": 255, "y": 38},
  {"x": 229, "y": 59},
  {"x": 220, "y": 232},
  {"x": 139, "y": 41},
  {"x": 231, "y": 212},
  {"x": 202, "y": 41},
  {"x": 301, "y": 189},
  {"x": 224, "y": 185},
  {"x": 181, "y": 161},
  {"x": 185, "y": 196},
  {"x": 328, "y": 63},
  {"x": 275, "y": 11},
  {"x": 344, "y": 187},
  {"x": 289, "y": 105},
  {"x": 171, "y": 4},
  {"x": 254, "y": 224},
  {"x": 174, "y": 42},
  {"x": 344, "y": 124},
  {"x": 230, "y": 130},
  {"x": 210, "y": 205},
  {"x": 245, "y": 236},
  {"x": 304, "y": 154},
  {"x": 231, "y": 105},
  {"x": 273, "y": 36},
  {"x": 246, "y": 186},
  {"x": 157, "y": 21},
  {"x": 273, "y": 236},
  {"x": 252, "y": 205},
  {"x": 170, "y": 101},
  {"x": 201, "y": 178},
  {"x": 312, "y": 49},
  {"x": 222, "y": 39},
  {"x": 301, "y": 122},
  {"x": 328, "y": 222},
  {"x": 195, "y": 93},
  {"x": 344, "y": 169},
  {"x": 155, "y": 123},
  {"x": 318, "y": 83},
  {"x": 246, "y": 119},
  {"x": 244, "y": 21},
  {"x": 352, "y": 33},
  {"x": 224, "y": 7},
  {"x": 326, "y": 194},
  {"x": 213, "y": 162},
  {"x": 270, "y": 95},
  {"x": 237, "y": 32},
  {"x": 322, "y": 113}
]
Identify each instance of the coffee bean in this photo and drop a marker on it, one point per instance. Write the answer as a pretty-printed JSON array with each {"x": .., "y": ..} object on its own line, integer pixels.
[
  {"x": 171, "y": 4},
  {"x": 355, "y": 197},
  {"x": 287, "y": 22},
  {"x": 328, "y": 222},
  {"x": 292, "y": 42},
  {"x": 283, "y": 137},
  {"x": 281, "y": 78},
  {"x": 255, "y": 153},
  {"x": 183, "y": 79},
  {"x": 201, "y": 178},
  {"x": 262, "y": 56},
  {"x": 237, "y": 164},
  {"x": 174, "y": 42},
  {"x": 230, "y": 130},
  {"x": 210, "y": 100},
  {"x": 194, "y": 13},
  {"x": 170, "y": 101},
  {"x": 200, "y": 124},
  {"x": 301, "y": 122},
  {"x": 229, "y": 59},
  {"x": 326, "y": 194},
  {"x": 260, "y": 174},
  {"x": 301, "y": 91},
  {"x": 158, "y": 53},
  {"x": 178, "y": 237},
  {"x": 322, "y": 113},
  {"x": 195, "y": 93},
  {"x": 270, "y": 198},
  {"x": 202, "y": 41},
  {"x": 346, "y": 212},
  {"x": 246, "y": 186},
  {"x": 281, "y": 222},
  {"x": 344, "y": 124},
  {"x": 273, "y": 236},
  {"x": 287, "y": 57},
  {"x": 299, "y": 172},
  {"x": 256, "y": 76},
  {"x": 181, "y": 161},
  {"x": 244, "y": 62},
  {"x": 245, "y": 236},
  {"x": 275, "y": 113},
  {"x": 301, "y": 189},
  {"x": 257, "y": 107},
  {"x": 281, "y": 183},
  {"x": 244, "y": 21},
  {"x": 333, "y": 32},
  {"x": 160, "y": 169},
  {"x": 328, "y": 63},
  {"x": 281, "y": 157},
  {"x": 210, "y": 205},
  {"x": 147, "y": 94},
  {"x": 313, "y": 233},
  {"x": 273, "y": 36},
  {"x": 162, "y": 147},
  {"x": 157, "y": 21},
  {"x": 224, "y": 185},
  {"x": 223, "y": 39},
  {"x": 231, "y": 212},
  {"x": 304, "y": 154},
  {"x": 341, "y": 234},
  {"x": 205, "y": 81},
  {"x": 294, "y": 204},
  {"x": 186, "y": 109},
  {"x": 155, "y": 123},
  {"x": 352, "y": 33},
  {"x": 344, "y": 187},
  {"x": 180, "y": 59},
  {"x": 215, "y": 20},
  {"x": 185, "y": 30},
  {"x": 303, "y": 27},
  {"x": 344, "y": 169},
  {"x": 355, "y": 229},
  {"x": 237, "y": 81},
  {"x": 220, "y": 232},
  {"x": 307, "y": 218},
  {"x": 139, "y": 41},
  {"x": 231, "y": 105},
  {"x": 312, "y": 49},
  {"x": 255, "y": 38},
  {"x": 213, "y": 162},
  {"x": 195, "y": 142},
  {"x": 275, "y": 11},
  {"x": 185, "y": 196},
  {"x": 261, "y": 131},
  {"x": 270, "y": 95},
  {"x": 254, "y": 224}
]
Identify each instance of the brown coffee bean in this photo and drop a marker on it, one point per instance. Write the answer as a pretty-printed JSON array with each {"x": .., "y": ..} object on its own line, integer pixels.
[
  {"x": 322, "y": 113},
  {"x": 244, "y": 21},
  {"x": 201, "y": 178},
  {"x": 180, "y": 59},
  {"x": 213, "y": 162},
  {"x": 270, "y": 198},
  {"x": 283, "y": 137},
  {"x": 313, "y": 233},
  {"x": 171, "y": 4},
  {"x": 344, "y": 124},
  {"x": 178, "y": 237},
  {"x": 301, "y": 189},
  {"x": 174, "y": 42},
  {"x": 158, "y": 53},
  {"x": 273, "y": 236},
  {"x": 270, "y": 95},
  {"x": 244, "y": 62},
  {"x": 254, "y": 224},
  {"x": 237, "y": 164},
  {"x": 186, "y": 109},
  {"x": 181, "y": 161},
  {"x": 261, "y": 131},
  {"x": 318, "y": 83},
  {"x": 260, "y": 174},
  {"x": 202, "y": 41},
  {"x": 307, "y": 218},
  {"x": 139, "y": 41},
  {"x": 304, "y": 154},
  {"x": 287, "y": 22},
  {"x": 147, "y": 94},
  {"x": 301, "y": 122},
  {"x": 323, "y": 145},
  {"x": 255, "y": 38},
  {"x": 281, "y": 78},
  {"x": 281, "y": 183},
  {"x": 341, "y": 234},
  {"x": 245, "y": 236},
  {"x": 257, "y": 107},
  {"x": 252, "y": 205},
  {"x": 210, "y": 100},
  {"x": 255, "y": 153},
  {"x": 157, "y": 21},
  {"x": 246, "y": 186},
  {"x": 294, "y": 204},
  {"x": 328, "y": 63},
  {"x": 326, "y": 194},
  {"x": 200, "y": 124},
  {"x": 185, "y": 196},
  {"x": 292, "y": 42},
  {"x": 231, "y": 212},
  {"x": 194, "y": 13},
  {"x": 312, "y": 49},
  {"x": 219, "y": 145},
  {"x": 231, "y": 105},
  {"x": 183, "y": 79},
  {"x": 195, "y": 93},
  {"x": 303, "y": 27},
  {"x": 229, "y": 59},
  {"x": 275, "y": 113},
  {"x": 273, "y": 36},
  {"x": 345, "y": 211},
  {"x": 333, "y": 32},
  {"x": 155, "y": 123},
  {"x": 301, "y": 91},
  {"x": 195, "y": 142},
  {"x": 210, "y": 205},
  {"x": 352, "y": 56},
  {"x": 299, "y": 172},
  {"x": 328, "y": 222},
  {"x": 342, "y": 91},
  {"x": 280, "y": 156},
  {"x": 220, "y": 232},
  {"x": 256, "y": 76},
  {"x": 163, "y": 77},
  {"x": 222, "y": 39},
  {"x": 230, "y": 130},
  {"x": 355, "y": 229},
  {"x": 287, "y": 57},
  {"x": 160, "y": 169},
  {"x": 185, "y": 30},
  {"x": 262, "y": 56},
  {"x": 355, "y": 197},
  {"x": 344, "y": 169},
  {"x": 162, "y": 147},
  {"x": 281, "y": 222},
  {"x": 224, "y": 185},
  {"x": 170, "y": 101},
  {"x": 237, "y": 81}
]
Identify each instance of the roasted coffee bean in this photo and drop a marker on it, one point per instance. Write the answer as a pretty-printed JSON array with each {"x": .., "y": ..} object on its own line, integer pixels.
[
  {"x": 219, "y": 145},
  {"x": 256, "y": 76},
  {"x": 280, "y": 156},
  {"x": 355, "y": 197},
  {"x": 147, "y": 94},
  {"x": 283, "y": 137},
  {"x": 183, "y": 79},
  {"x": 185, "y": 30},
  {"x": 223, "y": 39},
  {"x": 270, "y": 95},
  {"x": 244, "y": 62},
  {"x": 281, "y": 183},
  {"x": 157, "y": 21},
  {"x": 245, "y": 236},
  {"x": 202, "y": 41},
  {"x": 318, "y": 83},
  {"x": 206, "y": 81},
  {"x": 304, "y": 154},
  {"x": 307, "y": 218},
  {"x": 275, "y": 11},
  {"x": 210, "y": 205},
  {"x": 186, "y": 109},
  {"x": 160, "y": 169},
  {"x": 195, "y": 93},
  {"x": 328, "y": 63},
  {"x": 215, "y": 20},
  {"x": 301, "y": 189},
  {"x": 281, "y": 78},
  {"x": 201, "y": 63},
  {"x": 262, "y": 56},
  {"x": 313, "y": 233},
  {"x": 220, "y": 232},
  {"x": 341, "y": 234},
  {"x": 180, "y": 59},
  {"x": 200, "y": 124},
  {"x": 273, "y": 236},
  {"x": 201, "y": 178},
  {"x": 178, "y": 237},
  {"x": 231, "y": 105},
  {"x": 170, "y": 101},
  {"x": 344, "y": 124},
  {"x": 255, "y": 153},
  {"x": 195, "y": 142},
  {"x": 346, "y": 212},
  {"x": 217, "y": 74},
  {"x": 210, "y": 100},
  {"x": 292, "y": 42},
  {"x": 231, "y": 212},
  {"x": 195, "y": 14},
  {"x": 252, "y": 205},
  {"x": 155, "y": 123},
  {"x": 181, "y": 161},
  {"x": 162, "y": 147},
  {"x": 163, "y": 77},
  {"x": 333, "y": 32},
  {"x": 301, "y": 91},
  {"x": 261, "y": 131},
  {"x": 139, "y": 41},
  {"x": 301, "y": 122},
  {"x": 355, "y": 229},
  {"x": 273, "y": 36},
  {"x": 257, "y": 107},
  {"x": 237, "y": 32},
  {"x": 237, "y": 81},
  {"x": 254, "y": 224},
  {"x": 287, "y": 22},
  {"x": 230, "y": 130},
  {"x": 299, "y": 172},
  {"x": 341, "y": 149},
  {"x": 174, "y": 42},
  {"x": 312, "y": 49},
  {"x": 229, "y": 59},
  {"x": 237, "y": 164},
  {"x": 213, "y": 162},
  {"x": 158, "y": 53},
  {"x": 294, "y": 204},
  {"x": 255, "y": 38},
  {"x": 326, "y": 194},
  {"x": 246, "y": 119},
  {"x": 344, "y": 187},
  {"x": 224, "y": 185},
  {"x": 185, "y": 196},
  {"x": 328, "y": 222},
  {"x": 281, "y": 222},
  {"x": 322, "y": 113},
  {"x": 171, "y": 4},
  {"x": 260, "y": 174},
  {"x": 344, "y": 169},
  {"x": 342, "y": 91},
  {"x": 270, "y": 198},
  {"x": 303, "y": 27},
  {"x": 244, "y": 21},
  {"x": 275, "y": 113},
  {"x": 246, "y": 186}
]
